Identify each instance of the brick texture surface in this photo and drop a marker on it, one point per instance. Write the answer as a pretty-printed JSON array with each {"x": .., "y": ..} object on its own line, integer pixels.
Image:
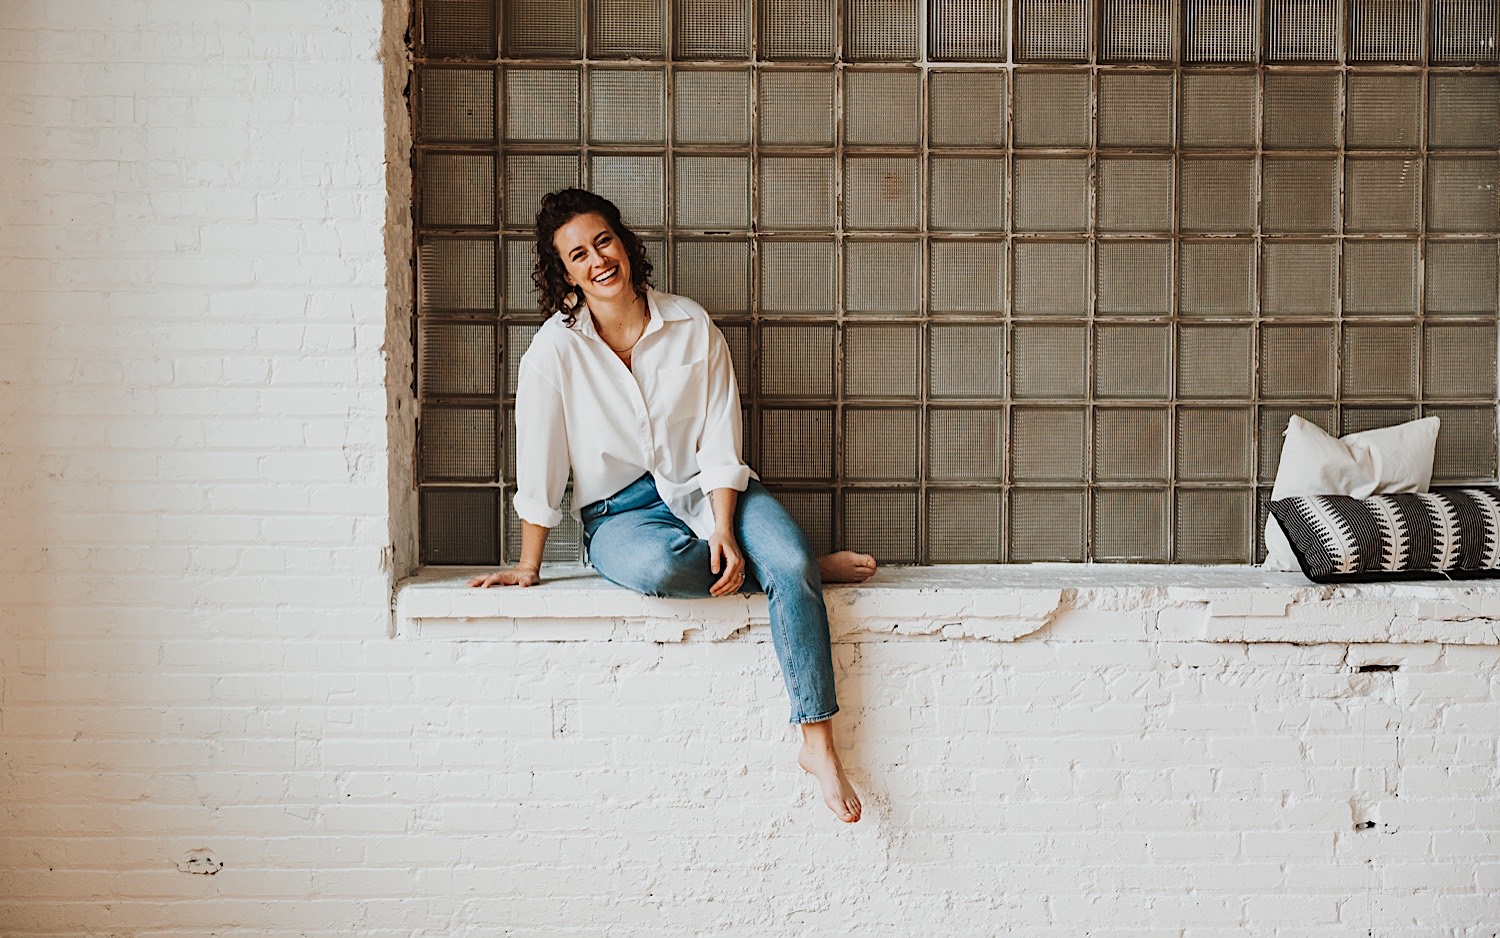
[{"x": 206, "y": 728}]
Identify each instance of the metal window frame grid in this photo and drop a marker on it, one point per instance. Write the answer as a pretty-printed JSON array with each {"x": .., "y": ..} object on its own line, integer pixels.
[{"x": 1255, "y": 487}]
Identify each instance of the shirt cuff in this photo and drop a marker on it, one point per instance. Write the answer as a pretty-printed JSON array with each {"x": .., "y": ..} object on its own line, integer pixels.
[
  {"x": 529, "y": 509},
  {"x": 724, "y": 477}
]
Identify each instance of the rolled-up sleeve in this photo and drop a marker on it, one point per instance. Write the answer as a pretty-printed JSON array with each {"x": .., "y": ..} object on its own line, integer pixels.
[
  {"x": 541, "y": 443},
  {"x": 720, "y": 464}
]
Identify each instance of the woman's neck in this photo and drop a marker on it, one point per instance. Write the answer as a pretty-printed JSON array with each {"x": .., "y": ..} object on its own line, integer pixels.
[{"x": 623, "y": 312}]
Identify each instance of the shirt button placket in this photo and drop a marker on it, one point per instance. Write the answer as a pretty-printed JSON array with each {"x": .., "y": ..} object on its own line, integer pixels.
[{"x": 648, "y": 440}]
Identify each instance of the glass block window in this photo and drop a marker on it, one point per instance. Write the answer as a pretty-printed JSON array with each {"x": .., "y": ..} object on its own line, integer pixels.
[{"x": 1004, "y": 280}]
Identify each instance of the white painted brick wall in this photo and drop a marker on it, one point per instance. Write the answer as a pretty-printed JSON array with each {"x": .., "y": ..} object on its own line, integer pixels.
[{"x": 196, "y": 546}]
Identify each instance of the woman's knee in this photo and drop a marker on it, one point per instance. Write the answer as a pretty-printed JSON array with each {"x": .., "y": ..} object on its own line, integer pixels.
[
  {"x": 673, "y": 564},
  {"x": 787, "y": 576},
  {"x": 779, "y": 549},
  {"x": 784, "y": 564}
]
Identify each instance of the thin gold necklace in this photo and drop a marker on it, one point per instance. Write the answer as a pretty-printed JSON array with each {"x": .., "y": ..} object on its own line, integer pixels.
[{"x": 622, "y": 351}]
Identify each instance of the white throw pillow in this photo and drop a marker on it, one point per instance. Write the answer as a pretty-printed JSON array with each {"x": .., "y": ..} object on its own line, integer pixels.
[{"x": 1386, "y": 461}]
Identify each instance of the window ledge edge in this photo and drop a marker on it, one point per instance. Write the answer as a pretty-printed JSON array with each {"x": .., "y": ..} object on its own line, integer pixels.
[{"x": 1050, "y": 602}]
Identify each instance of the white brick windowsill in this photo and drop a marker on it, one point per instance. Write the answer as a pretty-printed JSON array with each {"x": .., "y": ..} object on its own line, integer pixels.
[{"x": 1053, "y": 602}]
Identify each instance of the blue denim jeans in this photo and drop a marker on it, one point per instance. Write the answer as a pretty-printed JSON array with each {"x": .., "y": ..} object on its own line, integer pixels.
[{"x": 636, "y": 542}]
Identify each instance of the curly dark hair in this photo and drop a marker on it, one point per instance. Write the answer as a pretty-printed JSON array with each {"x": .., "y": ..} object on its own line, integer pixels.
[{"x": 553, "y": 292}]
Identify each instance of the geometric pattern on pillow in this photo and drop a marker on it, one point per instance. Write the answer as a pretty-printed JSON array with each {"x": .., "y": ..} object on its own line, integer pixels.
[{"x": 1447, "y": 533}]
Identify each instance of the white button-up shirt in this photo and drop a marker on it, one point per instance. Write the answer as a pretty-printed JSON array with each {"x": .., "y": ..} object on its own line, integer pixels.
[{"x": 675, "y": 413}]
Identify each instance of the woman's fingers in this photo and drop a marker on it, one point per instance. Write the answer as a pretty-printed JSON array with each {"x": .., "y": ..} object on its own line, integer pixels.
[
  {"x": 507, "y": 578},
  {"x": 726, "y": 562},
  {"x": 732, "y": 578}
]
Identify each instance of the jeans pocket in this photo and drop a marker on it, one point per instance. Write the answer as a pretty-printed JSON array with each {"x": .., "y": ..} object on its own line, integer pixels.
[{"x": 594, "y": 510}]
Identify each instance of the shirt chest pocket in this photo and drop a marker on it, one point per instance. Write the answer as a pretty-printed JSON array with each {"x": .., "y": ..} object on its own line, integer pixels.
[{"x": 675, "y": 393}]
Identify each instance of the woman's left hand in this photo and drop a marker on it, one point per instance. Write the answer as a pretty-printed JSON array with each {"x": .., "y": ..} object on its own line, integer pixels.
[{"x": 725, "y": 559}]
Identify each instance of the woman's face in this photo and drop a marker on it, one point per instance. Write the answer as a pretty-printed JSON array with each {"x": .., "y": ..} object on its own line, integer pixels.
[{"x": 594, "y": 258}]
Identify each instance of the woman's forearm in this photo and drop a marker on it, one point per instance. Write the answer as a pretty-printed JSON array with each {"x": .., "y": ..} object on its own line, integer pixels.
[
  {"x": 533, "y": 544},
  {"x": 724, "y": 501}
]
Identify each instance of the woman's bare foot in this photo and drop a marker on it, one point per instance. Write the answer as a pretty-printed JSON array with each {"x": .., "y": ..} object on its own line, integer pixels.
[
  {"x": 846, "y": 566},
  {"x": 820, "y": 759}
]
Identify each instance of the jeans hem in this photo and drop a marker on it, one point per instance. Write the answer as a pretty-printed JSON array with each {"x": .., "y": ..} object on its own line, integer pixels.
[{"x": 815, "y": 718}]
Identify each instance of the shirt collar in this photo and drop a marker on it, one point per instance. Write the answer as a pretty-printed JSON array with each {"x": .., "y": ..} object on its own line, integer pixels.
[{"x": 660, "y": 312}]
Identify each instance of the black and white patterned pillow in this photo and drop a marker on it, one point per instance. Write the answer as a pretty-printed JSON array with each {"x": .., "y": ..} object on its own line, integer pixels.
[{"x": 1447, "y": 533}]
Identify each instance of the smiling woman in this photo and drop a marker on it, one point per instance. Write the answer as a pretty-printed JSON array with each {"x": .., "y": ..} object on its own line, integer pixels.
[{"x": 633, "y": 392}]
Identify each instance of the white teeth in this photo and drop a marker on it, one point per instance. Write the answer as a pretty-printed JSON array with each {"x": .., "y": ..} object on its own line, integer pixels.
[{"x": 606, "y": 277}]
